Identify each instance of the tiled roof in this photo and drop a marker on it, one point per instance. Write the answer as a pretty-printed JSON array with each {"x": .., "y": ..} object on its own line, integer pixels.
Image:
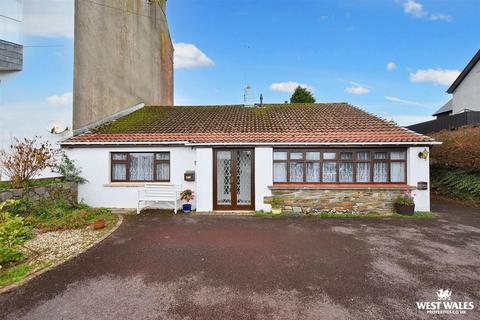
[{"x": 272, "y": 123}]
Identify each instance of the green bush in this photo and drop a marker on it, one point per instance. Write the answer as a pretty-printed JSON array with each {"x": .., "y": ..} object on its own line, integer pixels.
[
  {"x": 456, "y": 183},
  {"x": 69, "y": 170},
  {"x": 14, "y": 231},
  {"x": 405, "y": 199},
  {"x": 8, "y": 255},
  {"x": 59, "y": 216},
  {"x": 55, "y": 215},
  {"x": 21, "y": 207}
]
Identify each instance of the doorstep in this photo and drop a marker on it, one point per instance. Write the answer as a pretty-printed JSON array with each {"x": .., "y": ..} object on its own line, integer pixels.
[
  {"x": 224, "y": 213},
  {"x": 124, "y": 211}
]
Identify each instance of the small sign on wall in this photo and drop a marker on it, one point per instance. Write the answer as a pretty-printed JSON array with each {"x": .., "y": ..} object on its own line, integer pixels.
[
  {"x": 189, "y": 176},
  {"x": 422, "y": 185}
]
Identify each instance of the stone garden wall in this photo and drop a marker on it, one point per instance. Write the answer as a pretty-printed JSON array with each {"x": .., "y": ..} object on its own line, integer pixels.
[
  {"x": 379, "y": 200},
  {"x": 66, "y": 190}
]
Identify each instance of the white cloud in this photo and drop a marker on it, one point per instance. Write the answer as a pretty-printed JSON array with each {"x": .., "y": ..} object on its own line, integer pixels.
[
  {"x": 403, "y": 101},
  {"x": 188, "y": 56},
  {"x": 357, "y": 89},
  {"x": 391, "y": 66},
  {"x": 288, "y": 86},
  {"x": 436, "y": 76},
  {"x": 48, "y": 18},
  {"x": 415, "y": 9},
  {"x": 65, "y": 99},
  {"x": 440, "y": 16},
  {"x": 406, "y": 120}
]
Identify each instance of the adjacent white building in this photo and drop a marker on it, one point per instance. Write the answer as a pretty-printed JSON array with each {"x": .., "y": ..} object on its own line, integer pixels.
[{"x": 465, "y": 90}]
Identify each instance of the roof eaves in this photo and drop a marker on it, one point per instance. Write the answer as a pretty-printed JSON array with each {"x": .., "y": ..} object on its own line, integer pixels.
[
  {"x": 447, "y": 107},
  {"x": 464, "y": 73}
]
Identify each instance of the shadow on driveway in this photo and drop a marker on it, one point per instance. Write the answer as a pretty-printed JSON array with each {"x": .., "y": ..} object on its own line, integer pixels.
[{"x": 180, "y": 267}]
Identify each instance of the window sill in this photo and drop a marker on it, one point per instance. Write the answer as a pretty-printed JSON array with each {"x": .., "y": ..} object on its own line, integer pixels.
[
  {"x": 124, "y": 184},
  {"x": 365, "y": 186}
]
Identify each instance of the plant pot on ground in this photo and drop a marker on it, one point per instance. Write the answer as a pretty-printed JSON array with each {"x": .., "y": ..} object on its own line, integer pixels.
[
  {"x": 276, "y": 204},
  {"x": 99, "y": 224},
  {"x": 187, "y": 195},
  {"x": 276, "y": 210},
  {"x": 405, "y": 209},
  {"x": 404, "y": 204}
]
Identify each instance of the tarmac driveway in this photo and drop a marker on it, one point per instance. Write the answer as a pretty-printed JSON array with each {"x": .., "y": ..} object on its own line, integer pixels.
[{"x": 165, "y": 267}]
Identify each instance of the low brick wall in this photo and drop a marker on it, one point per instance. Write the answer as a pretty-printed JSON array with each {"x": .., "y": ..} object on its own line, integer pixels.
[
  {"x": 66, "y": 190},
  {"x": 378, "y": 200}
]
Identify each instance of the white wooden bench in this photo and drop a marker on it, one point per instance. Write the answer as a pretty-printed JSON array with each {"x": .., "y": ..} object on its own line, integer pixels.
[{"x": 156, "y": 192}]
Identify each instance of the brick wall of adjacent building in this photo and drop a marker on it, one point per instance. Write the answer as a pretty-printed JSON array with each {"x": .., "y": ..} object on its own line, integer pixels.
[
  {"x": 379, "y": 200},
  {"x": 65, "y": 190}
]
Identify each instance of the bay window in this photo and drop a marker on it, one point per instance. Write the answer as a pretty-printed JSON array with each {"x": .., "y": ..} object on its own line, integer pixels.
[
  {"x": 339, "y": 166},
  {"x": 140, "y": 166}
]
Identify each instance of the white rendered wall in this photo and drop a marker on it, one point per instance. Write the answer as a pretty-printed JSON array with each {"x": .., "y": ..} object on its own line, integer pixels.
[
  {"x": 263, "y": 177},
  {"x": 467, "y": 94},
  {"x": 100, "y": 192},
  {"x": 419, "y": 170},
  {"x": 204, "y": 179}
]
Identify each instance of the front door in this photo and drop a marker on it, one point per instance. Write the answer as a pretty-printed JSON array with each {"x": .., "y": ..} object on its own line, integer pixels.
[{"x": 233, "y": 179}]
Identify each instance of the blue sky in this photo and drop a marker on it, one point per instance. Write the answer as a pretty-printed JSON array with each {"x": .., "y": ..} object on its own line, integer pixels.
[{"x": 394, "y": 58}]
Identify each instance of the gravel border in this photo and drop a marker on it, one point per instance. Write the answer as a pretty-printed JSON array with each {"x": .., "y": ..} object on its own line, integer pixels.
[{"x": 41, "y": 271}]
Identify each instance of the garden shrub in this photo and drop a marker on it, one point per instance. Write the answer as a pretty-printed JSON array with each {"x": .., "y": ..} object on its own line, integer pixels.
[
  {"x": 25, "y": 159},
  {"x": 14, "y": 231},
  {"x": 68, "y": 170},
  {"x": 55, "y": 215},
  {"x": 60, "y": 215},
  {"x": 456, "y": 183},
  {"x": 8, "y": 255},
  {"x": 21, "y": 207},
  {"x": 460, "y": 149}
]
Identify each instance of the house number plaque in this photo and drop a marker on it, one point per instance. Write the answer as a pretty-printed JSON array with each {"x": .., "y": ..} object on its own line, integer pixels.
[{"x": 422, "y": 185}]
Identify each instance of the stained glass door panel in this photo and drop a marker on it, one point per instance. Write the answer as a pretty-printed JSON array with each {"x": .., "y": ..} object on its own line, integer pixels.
[
  {"x": 224, "y": 178},
  {"x": 244, "y": 177},
  {"x": 233, "y": 179}
]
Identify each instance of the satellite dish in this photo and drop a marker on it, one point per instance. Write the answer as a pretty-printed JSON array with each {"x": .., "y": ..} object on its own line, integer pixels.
[{"x": 57, "y": 127}]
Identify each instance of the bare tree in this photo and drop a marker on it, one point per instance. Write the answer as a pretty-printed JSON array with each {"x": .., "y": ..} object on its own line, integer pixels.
[{"x": 25, "y": 159}]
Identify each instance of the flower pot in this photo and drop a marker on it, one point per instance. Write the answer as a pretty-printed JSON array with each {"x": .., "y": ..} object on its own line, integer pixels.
[
  {"x": 405, "y": 209},
  {"x": 276, "y": 210},
  {"x": 99, "y": 224},
  {"x": 187, "y": 207}
]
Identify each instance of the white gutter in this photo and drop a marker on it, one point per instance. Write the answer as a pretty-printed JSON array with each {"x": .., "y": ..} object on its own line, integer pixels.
[
  {"x": 315, "y": 143},
  {"x": 187, "y": 143},
  {"x": 140, "y": 143}
]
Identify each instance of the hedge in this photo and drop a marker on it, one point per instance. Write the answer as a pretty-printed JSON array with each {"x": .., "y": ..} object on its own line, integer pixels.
[
  {"x": 460, "y": 149},
  {"x": 456, "y": 183}
]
